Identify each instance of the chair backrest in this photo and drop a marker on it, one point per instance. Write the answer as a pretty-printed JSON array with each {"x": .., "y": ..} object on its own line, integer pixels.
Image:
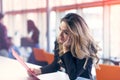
[
  {"x": 49, "y": 57},
  {"x": 39, "y": 54},
  {"x": 108, "y": 72},
  {"x": 42, "y": 55}
]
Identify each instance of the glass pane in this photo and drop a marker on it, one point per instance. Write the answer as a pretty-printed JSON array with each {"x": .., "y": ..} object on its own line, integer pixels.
[
  {"x": 94, "y": 19},
  {"x": 115, "y": 31},
  {"x": 33, "y": 4},
  {"x": 22, "y": 4},
  {"x": 90, "y": 0},
  {"x": 9, "y": 5},
  {"x": 62, "y": 2}
]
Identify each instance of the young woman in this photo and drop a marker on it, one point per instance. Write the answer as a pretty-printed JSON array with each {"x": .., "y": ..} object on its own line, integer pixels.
[
  {"x": 75, "y": 49},
  {"x": 33, "y": 33}
]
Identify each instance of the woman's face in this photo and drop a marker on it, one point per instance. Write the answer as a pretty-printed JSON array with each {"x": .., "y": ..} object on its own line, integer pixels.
[{"x": 63, "y": 33}]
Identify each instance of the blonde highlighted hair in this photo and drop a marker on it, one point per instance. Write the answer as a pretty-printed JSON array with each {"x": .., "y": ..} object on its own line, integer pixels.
[{"x": 83, "y": 45}]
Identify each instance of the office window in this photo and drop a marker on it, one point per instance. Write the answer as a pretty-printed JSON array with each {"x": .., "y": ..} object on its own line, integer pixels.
[
  {"x": 94, "y": 18},
  {"x": 90, "y": 0},
  {"x": 115, "y": 31},
  {"x": 62, "y": 2}
]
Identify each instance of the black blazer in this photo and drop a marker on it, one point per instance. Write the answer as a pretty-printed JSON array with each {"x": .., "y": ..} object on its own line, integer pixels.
[{"x": 73, "y": 66}]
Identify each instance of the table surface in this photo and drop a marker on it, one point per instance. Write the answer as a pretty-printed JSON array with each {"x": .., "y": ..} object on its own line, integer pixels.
[{"x": 11, "y": 69}]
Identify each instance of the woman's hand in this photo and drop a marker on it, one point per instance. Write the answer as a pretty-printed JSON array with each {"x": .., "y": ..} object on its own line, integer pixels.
[
  {"x": 34, "y": 71},
  {"x": 66, "y": 45}
]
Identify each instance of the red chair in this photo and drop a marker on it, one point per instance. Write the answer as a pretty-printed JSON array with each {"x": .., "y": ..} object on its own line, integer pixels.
[
  {"x": 49, "y": 57},
  {"x": 41, "y": 55},
  {"x": 108, "y": 72}
]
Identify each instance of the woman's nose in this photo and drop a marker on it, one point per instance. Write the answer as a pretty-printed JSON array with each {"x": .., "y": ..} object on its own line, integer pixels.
[{"x": 60, "y": 34}]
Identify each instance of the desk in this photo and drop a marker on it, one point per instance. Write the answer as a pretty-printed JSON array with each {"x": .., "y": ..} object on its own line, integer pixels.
[{"x": 12, "y": 70}]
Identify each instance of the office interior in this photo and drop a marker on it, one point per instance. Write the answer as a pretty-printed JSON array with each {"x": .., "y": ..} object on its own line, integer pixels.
[{"x": 102, "y": 16}]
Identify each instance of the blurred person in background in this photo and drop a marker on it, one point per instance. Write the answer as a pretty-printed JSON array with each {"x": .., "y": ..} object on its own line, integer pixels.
[
  {"x": 4, "y": 41},
  {"x": 12, "y": 46},
  {"x": 33, "y": 37},
  {"x": 75, "y": 50},
  {"x": 33, "y": 33}
]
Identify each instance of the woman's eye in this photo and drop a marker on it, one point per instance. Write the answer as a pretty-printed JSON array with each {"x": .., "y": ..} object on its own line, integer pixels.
[{"x": 66, "y": 32}]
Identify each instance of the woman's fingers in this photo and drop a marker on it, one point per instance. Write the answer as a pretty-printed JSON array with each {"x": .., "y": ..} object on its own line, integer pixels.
[{"x": 30, "y": 72}]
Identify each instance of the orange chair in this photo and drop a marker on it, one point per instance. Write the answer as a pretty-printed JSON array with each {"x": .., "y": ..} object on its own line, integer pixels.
[
  {"x": 41, "y": 55},
  {"x": 108, "y": 72},
  {"x": 49, "y": 57}
]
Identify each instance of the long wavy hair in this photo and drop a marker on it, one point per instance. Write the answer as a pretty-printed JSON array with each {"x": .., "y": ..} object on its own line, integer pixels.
[{"x": 83, "y": 45}]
